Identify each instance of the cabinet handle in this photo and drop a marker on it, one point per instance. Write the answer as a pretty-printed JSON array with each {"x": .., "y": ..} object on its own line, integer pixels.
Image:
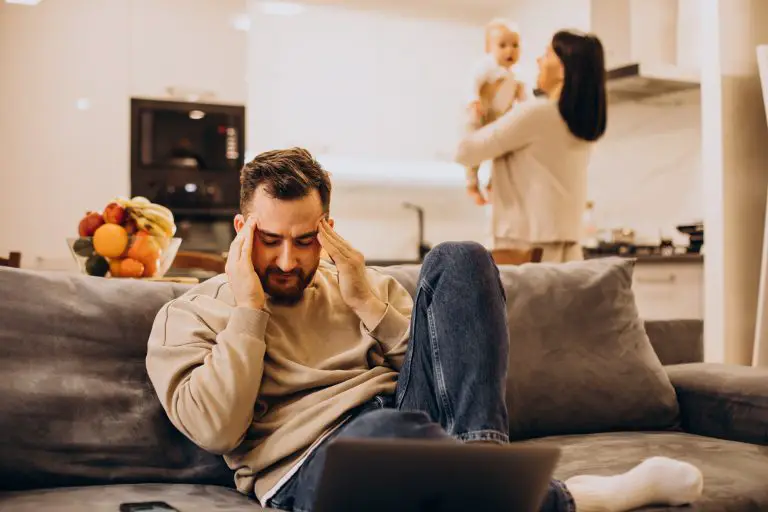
[{"x": 671, "y": 278}]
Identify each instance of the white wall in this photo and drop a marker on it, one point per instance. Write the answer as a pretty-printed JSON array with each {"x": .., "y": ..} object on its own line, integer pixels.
[
  {"x": 539, "y": 20},
  {"x": 58, "y": 161},
  {"x": 646, "y": 171},
  {"x": 63, "y": 160},
  {"x": 359, "y": 83},
  {"x": 379, "y": 98}
]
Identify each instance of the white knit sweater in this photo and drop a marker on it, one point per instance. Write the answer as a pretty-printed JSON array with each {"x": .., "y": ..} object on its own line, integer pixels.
[{"x": 539, "y": 173}]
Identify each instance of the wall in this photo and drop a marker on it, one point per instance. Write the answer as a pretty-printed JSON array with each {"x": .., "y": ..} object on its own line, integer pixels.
[
  {"x": 107, "y": 52},
  {"x": 646, "y": 171},
  {"x": 59, "y": 161},
  {"x": 359, "y": 83},
  {"x": 378, "y": 98},
  {"x": 735, "y": 172}
]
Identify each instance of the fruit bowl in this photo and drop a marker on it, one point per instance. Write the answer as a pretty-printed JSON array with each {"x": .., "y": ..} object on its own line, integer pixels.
[{"x": 145, "y": 256}]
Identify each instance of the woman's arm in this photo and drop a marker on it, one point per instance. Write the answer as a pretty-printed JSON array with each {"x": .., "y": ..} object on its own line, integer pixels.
[{"x": 511, "y": 132}]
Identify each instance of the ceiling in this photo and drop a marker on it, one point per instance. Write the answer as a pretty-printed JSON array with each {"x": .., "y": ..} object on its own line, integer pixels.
[{"x": 473, "y": 11}]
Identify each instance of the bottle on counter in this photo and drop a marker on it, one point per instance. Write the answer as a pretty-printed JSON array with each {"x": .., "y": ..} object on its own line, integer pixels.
[{"x": 590, "y": 239}]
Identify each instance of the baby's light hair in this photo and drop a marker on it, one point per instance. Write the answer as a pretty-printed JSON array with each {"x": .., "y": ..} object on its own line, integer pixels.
[{"x": 499, "y": 23}]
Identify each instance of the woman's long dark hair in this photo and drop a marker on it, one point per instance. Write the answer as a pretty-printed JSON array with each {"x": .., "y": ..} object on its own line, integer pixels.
[{"x": 582, "y": 99}]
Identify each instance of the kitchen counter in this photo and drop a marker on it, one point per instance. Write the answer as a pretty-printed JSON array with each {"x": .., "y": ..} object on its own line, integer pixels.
[
  {"x": 657, "y": 258},
  {"x": 390, "y": 263}
]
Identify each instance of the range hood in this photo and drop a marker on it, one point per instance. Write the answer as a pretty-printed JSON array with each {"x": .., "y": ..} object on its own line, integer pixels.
[
  {"x": 635, "y": 82},
  {"x": 651, "y": 46}
]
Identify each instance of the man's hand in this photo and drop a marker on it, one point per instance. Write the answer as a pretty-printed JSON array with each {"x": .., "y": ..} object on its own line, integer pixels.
[
  {"x": 354, "y": 286},
  {"x": 243, "y": 279}
]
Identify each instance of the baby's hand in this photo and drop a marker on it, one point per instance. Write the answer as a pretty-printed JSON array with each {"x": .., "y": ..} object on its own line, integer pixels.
[{"x": 476, "y": 110}]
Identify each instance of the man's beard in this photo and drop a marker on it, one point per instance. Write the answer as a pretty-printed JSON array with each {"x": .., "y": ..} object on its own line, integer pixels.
[{"x": 287, "y": 294}]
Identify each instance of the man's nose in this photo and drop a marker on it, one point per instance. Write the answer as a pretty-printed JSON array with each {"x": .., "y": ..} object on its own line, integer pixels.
[{"x": 287, "y": 258}]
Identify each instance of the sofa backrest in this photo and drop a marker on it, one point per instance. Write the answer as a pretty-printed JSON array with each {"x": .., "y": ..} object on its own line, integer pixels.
[
  {"x": 77, "y": 407},
  {"x": 675, "y": 341}
]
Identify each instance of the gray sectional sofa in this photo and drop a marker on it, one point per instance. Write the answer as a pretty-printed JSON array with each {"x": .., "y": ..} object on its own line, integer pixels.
[{"x": 81, "y": 427}]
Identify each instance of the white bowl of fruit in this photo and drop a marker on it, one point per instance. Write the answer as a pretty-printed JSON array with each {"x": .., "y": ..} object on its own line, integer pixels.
[{"x": 130, "y": 238}]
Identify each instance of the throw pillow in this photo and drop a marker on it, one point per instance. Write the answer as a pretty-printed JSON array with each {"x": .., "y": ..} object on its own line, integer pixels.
[{"x": 580, "y": 359}]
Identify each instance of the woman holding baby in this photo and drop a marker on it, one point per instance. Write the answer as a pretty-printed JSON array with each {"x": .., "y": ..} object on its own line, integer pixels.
[{"x": 541, "y": 150}]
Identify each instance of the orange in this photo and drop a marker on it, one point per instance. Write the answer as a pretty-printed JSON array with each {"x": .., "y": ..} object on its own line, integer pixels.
[
  {"x": 110, "y": 240},
  {"x": 114, "y": 268},
  {"x": 146, "y": 250},
  {"x": 131, "y": 268}
]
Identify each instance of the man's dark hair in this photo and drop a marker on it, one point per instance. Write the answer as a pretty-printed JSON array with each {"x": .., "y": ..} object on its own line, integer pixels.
[
  {"x": 582, "y": 100},
  {"x": 285, "y": 174}
]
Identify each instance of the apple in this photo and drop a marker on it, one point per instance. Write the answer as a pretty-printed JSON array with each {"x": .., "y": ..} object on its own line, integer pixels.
[
  {"x": 130, "y": 226},
  {"x": 90, "y": 223},
  {"x": 114, "y": 214}
]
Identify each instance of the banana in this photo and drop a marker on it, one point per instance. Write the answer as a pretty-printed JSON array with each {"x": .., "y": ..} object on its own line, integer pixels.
[
  {"x": 151, "y": 227},
  {"x": 139, "y": 200},
  {"x": 162, "y": 222},
  {"x": 156, "y": 209},
  {"x": 151, "y": 217}
]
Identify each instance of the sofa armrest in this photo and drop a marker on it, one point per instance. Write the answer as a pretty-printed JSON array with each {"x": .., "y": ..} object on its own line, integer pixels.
[
  {"x": 723, "y": 401},
  {"x": 677, "y": 341}
]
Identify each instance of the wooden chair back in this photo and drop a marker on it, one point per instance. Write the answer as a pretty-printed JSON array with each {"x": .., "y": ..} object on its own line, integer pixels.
[
  {"x": 13, "y": 260},
  {"x": 517, "y": 256}
]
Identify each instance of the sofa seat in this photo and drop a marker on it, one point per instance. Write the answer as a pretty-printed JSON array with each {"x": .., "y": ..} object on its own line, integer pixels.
[
  {"x": 107, "y": 498},
  {"x": 734, "y": 473}
]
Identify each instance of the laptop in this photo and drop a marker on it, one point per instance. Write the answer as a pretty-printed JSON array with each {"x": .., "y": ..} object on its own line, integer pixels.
[{"x": 374, "y": 475}]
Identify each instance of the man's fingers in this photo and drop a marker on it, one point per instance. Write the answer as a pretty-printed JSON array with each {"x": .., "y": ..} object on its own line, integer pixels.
[
  {"x": 247, "y": 247},
  {"x": 329, "y": 246},
  {"x": 237, "y": 244},
  {"x": 341, "y": 245}
]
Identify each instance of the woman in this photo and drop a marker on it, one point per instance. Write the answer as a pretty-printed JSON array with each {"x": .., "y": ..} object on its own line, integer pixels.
[{"x": 541, "y": 151}]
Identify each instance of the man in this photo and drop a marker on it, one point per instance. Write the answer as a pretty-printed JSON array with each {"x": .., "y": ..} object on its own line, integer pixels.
[{"x": 272, "y": 361}]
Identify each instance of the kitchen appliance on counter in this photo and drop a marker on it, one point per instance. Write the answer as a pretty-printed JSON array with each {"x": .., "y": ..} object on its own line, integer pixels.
[
  {"x": 625, "y": 242},
  {"x": 695, "y": 232}
]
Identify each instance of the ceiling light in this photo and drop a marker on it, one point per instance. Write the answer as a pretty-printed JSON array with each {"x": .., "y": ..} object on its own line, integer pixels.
[
  {"x": 196, "y": 114},
  {"x": 83, "y": 104},
  {"x": 23, "y": 2},
  {"x": 281, "y": 8}
]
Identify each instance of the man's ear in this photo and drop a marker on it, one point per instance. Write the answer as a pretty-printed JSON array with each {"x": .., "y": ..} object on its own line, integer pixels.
[{"x": 239, "y": 222}]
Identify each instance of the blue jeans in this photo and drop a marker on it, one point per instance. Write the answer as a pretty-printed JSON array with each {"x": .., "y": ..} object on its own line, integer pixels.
[{"x": 453, "y": 381}]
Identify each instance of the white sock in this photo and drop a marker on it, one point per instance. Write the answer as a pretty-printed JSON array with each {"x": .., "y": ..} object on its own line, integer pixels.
[{"x": 655, "y": 481}]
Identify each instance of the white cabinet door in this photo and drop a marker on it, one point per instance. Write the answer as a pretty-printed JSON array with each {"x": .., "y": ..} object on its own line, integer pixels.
[{"x": 669, "y": 290}]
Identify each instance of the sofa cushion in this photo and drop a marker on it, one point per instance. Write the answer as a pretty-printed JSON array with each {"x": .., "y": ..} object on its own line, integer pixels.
[
  {"x": 580, "y": 359},
  {"x": 734, "y": 473},
  {"x": 77, "y": 407},
  {"x": 183, "y": 497}
]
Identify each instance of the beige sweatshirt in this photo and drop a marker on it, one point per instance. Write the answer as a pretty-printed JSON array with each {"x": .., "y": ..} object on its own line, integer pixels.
[
  {"x": 262, "y": 387},
  {"x": 539, "y": 173}
]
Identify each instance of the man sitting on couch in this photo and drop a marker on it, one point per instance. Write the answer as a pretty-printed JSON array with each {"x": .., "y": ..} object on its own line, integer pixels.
[{"x": 271, "y": 362}]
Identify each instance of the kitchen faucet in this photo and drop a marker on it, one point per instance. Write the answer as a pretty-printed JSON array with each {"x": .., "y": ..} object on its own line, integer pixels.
[{"x": 424, "y": 248}]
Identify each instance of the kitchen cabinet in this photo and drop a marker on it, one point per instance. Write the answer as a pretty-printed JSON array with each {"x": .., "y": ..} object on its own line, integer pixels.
[
  {"x": 668, "y": 289},
  {"x": 359, "y": 84}
]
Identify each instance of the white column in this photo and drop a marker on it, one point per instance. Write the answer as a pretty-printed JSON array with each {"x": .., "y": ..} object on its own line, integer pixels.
[{"x": 735, "y": 173}]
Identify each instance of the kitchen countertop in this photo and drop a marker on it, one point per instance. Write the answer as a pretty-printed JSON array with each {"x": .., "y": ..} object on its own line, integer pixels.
[
  {"x": 657, "y": 258},
  {"x": 643, "y": 258}
]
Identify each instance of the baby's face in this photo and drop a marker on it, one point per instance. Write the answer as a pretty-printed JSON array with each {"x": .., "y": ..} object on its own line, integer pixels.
[{"x": 504, "y": 45}]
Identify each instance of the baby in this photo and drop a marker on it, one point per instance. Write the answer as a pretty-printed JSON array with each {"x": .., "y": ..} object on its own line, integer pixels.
[{"x": 495, "y": 87}]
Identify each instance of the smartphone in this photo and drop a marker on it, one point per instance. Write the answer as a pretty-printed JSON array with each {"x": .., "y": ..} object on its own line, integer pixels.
[{"x": 147, "y": 506}]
